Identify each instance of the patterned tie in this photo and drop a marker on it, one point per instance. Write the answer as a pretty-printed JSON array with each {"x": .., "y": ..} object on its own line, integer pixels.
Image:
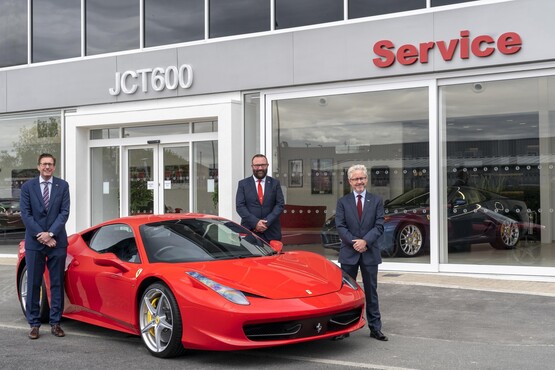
[
  {"x": 45, "y": 194},
  {"x": 359, "y": 206},
  {"x": 260, "y": 192}
]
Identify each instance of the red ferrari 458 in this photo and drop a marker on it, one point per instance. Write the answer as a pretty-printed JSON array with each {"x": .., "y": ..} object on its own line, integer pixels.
[{"x": 191, "y": 281}]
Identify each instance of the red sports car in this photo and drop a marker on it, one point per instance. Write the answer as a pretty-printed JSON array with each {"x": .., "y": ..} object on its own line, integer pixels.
[{"x": 191, "y": 281}]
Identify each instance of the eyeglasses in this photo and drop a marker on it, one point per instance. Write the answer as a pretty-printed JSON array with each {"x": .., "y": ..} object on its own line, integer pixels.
[
  {"x": 47, "y": 164},
  {"x": 260, "y": 165},
  {"x": 357, "y": 179}
]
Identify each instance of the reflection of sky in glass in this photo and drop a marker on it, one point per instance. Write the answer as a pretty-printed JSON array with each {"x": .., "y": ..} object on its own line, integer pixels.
[
  {"x": 112, "y": 25},
  {"x": 365, "y": 8},
  {"x": 355, "y": 119},
  {"x": 238, "y": 16},
  {"x": 13, "y": 32},
  {"x": 295, "y": 13},
  {"x": 173, "y": 21},
  {"x": 56, "y": 29}
]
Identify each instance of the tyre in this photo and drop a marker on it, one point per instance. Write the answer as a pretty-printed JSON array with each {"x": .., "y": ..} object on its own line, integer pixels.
[
  {"x": 409, "y": 240},
  {"x": 160, "y": 322},
  {"x": 507, "y": 235},
  {"x": 44, "y": 313}
]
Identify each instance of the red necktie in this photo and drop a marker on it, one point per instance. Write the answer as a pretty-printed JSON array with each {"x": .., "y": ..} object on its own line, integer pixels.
[
  {"x": 260, "y": 192},
  {"x": 359, "y": 206}
]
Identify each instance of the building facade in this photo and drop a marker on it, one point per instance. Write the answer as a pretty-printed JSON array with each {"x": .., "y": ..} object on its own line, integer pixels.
[{"x": 158, "y": 106}]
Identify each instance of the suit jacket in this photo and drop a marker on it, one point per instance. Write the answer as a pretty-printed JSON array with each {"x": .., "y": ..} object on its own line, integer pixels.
[
  {"x": 251, "y": 211},
  {"x": 369, "y": 227},
  {"x": 37, "y": 219}
]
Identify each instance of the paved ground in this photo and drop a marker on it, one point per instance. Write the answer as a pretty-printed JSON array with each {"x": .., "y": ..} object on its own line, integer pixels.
[{"x": 434, "y": 321}]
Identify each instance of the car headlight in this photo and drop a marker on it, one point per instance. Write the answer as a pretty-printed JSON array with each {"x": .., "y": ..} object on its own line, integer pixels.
[
  {"x": 232, "y": 295},
  {"x": 347, "y": 279}
]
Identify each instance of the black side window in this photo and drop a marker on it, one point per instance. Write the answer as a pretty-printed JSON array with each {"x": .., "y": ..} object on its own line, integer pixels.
[{"x": 117, "y": 239}]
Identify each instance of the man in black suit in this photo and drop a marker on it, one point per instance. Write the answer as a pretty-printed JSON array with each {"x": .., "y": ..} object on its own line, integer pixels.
[
  {"x": 259, "y": 201},
  {"x": 44, "y": 206},
  {"x": 359, "y": 220}
]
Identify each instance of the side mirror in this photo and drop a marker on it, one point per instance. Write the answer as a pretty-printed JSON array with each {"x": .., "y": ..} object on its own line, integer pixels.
[{"x": 276, "y": 245}]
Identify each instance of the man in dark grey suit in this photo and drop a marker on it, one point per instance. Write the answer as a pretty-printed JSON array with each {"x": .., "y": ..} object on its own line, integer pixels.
[
  {"x": 259, "y": 201},
  {"x": 359, "y": 220},
  {"x": 44, "y": 206}
]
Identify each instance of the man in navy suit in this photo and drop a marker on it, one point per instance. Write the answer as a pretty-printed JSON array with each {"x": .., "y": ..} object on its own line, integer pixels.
[
  {"x": 44, "y": 210},
  {"x": 359, "y": 220},
  {"x": 259, "y": 201}
]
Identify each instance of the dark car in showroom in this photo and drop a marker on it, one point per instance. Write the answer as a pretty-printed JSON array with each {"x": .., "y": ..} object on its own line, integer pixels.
[
  {"x": 473, "y": 216},
  {"x": 10, "y": 215}
]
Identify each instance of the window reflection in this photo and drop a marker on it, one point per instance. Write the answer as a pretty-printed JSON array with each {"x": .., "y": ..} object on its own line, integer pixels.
[
  {"x": 366, "y": 8},
  {"x": 56, "y": 29},
  {"x": 321, "y": 136},
  {"x": 24, "y": 139},
  {"x": 294, "y": 13},
  {"x": 13, "y": 33},
  {"x": 111, "y": 25},
  {"x": 173, "y": 21},
  {"x": 498, "y": 141},
  {"x": 238, "y": 17}
]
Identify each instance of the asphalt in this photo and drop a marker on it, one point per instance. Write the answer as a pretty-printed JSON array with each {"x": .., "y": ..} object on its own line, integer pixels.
[{"x": 479, "y": 283}]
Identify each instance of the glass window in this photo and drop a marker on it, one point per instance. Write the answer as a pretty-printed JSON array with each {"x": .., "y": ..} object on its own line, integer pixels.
[
  {"x": 13, "y": 32},
  {"x": 105, "y": 133},
  {"x": 23, "y": 140},
  {"x": 235, "y": 17},
  {"x": 366, "y": 8},
  {"x": 56, "y": 29},
  {"x": 206, "y": 175},
  {"x": 156, "y": 130},
  {"x": 173, "y": 21},
  {"x": 111, "y": 26},
  {"x": 499, "y": 172},
  {"x": 252, "y": 128},
  {"x": 448, "y": 2},
  {"x": 207, "y": 126},
  {"x": 316, "y": 139},
  {"x": 105, "y": 183},
  {"x": 294, "y": 13}
]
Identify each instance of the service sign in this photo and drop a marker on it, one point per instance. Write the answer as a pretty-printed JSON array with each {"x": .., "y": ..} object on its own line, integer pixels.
[{"x": 464, "y": 47}]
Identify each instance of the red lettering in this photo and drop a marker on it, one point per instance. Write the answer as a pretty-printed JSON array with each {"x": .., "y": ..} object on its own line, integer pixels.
[
  {"x": 509, "y": 43},
  {"x": 477, "y": 43},
  {"x": 425, "y": 48},
  {"x": 382, "y": 49},
  {"x": 464, "y": 44},
  {"x": 447, "y": 52},
  {"x": 407, "y": 54},
  {"x": 480, "y": 46}
]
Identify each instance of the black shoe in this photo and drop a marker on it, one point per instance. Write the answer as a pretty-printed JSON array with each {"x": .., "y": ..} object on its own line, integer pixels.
[
  {"x": 377, "y": 334},
  {"x": 34, "y": 333}
]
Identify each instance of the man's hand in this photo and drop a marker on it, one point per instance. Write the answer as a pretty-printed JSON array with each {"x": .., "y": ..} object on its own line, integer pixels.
[
  {"x": 359, "y": 245},
  {"x": 261, "y": 226},
  {"x": 44, "y": 238}
]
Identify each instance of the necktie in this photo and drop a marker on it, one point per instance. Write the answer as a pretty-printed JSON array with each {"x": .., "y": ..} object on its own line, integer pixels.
[
  {"x": 45, "y": 194},
  {"x": 260, "y": 192},
  {"x": 359, "y": 206}
]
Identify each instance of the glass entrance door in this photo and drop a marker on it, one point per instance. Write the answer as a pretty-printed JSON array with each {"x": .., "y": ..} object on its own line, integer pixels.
[{"x": 158, "y": 179}]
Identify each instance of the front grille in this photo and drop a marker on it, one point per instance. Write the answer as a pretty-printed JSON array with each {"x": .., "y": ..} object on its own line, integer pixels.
[
  {"x": 330, "y": 239},
  {"x": 304, "y": 328}
]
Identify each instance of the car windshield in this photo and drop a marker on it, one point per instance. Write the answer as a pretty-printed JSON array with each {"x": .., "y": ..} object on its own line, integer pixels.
[
  {"x": 414, "y": 197},
  {"x": 200, "y": 239}
]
